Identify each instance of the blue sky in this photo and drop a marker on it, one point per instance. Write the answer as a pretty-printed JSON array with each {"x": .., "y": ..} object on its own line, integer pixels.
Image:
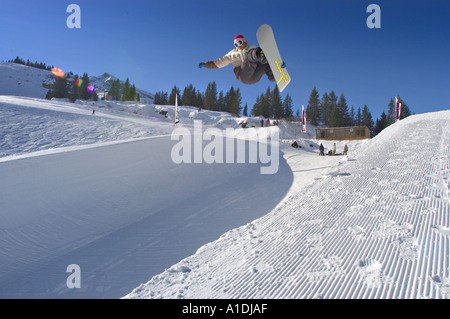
[{"x": 325, "y": 43}]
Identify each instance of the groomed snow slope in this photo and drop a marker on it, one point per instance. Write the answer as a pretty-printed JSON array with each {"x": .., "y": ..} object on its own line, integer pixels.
[
  {"x": 374, "y": 224},
  {"x": 102, "y": 192}
]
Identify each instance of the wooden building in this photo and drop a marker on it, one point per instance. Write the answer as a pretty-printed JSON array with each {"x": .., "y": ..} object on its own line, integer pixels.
[{"x": 343, "y": 133}]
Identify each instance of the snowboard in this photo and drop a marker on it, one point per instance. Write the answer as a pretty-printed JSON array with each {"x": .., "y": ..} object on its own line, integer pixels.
[{"x": 267, "y": 43}]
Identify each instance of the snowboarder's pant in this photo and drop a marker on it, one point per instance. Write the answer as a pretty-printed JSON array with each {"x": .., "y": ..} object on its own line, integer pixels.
[{"x": 252, "y": 70}]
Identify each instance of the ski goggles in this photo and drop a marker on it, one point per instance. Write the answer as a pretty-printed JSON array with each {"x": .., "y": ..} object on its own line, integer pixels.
[{"x": 239, "y": 42}]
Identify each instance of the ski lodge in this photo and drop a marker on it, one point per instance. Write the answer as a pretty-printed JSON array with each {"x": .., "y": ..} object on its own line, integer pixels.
[{"x": 343, "y": 133}]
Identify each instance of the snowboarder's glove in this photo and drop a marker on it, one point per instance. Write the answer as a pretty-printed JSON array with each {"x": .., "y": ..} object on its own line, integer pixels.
[{"x": 202, "y": 65}]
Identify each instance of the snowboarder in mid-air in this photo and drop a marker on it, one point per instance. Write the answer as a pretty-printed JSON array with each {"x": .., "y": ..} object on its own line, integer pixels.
[{"x": 249, "y": 62}]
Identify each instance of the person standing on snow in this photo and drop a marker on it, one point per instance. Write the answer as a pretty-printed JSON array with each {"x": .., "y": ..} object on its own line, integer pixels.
[
  {"x": 345, "y": 149},
  {"x": 249, "y": 62},
  {"x": 321, "y": 150}
]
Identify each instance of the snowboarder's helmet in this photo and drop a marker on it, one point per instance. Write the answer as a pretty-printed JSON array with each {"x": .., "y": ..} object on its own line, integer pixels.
[{"x": 239, "y": 40}]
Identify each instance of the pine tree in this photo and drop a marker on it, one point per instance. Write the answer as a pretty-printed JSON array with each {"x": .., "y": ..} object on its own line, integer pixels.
[
  {"x": 312, "y": 111},
  {"x": 19, "y": 60},
  {"x": 358, "y": 119},
  {"x": 381, "y": 123},
  {"x": 228, "y": 100},
  {"x": 161, "y": 98},
  {"x": 75, "y": 90},
  {"x": 221, "y": 102},
  {"x": 333, "y": 120},
  {"x": 233, "y": 101},
  {"x": 267, "y": 104},
  {"x": 352, "y": 116},
  {"x": 126, "y": 91},
  {"x": 85, "y": 94},
  {"x": 245, "y": 112},
  {"x": 199, "y": 100},
  {"x": 332, "y": 100},
  {"x": 157, "y": 98},
  {"x": 114, "y": 91},
  {"x": 210, "y": 100},
  {"x": 342, "y": 109},
  {"x": 367, "y": 118},
  {"x": 257, "y": 107},
  {"x": 325, "y": 108},
  {"x": 132, "y": 95},
  {"x": 287, "y": 108},
  {"x": 59, "y": 89},
  {"x": 175, "y": 91},
  {"x": 297, "y": 115},
  {"x": 262, "y": 105},
  {"x": 189, "y": 96},
  {"x": 277, "y": 104},
  {"x": 390, "y": 119}
]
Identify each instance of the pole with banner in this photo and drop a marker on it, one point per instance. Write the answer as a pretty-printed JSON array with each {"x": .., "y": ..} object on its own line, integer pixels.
[
  {"x": 398, "y": 110},
  {"x": 176, "y": 120},
  {"x": 303, "y": 119}
]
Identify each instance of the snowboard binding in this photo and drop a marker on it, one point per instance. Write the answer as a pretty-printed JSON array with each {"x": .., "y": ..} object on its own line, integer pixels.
[{"x": 263, "y": 59}]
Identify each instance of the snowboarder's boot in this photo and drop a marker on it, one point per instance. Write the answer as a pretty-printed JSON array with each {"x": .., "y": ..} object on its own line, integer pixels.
[
  {"x": 261, "y": 57},
  {"x": 270, "y": 75}
]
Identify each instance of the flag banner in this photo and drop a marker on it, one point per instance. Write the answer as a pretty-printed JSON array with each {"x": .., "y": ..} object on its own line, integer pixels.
[
  {"x": 176, "y": 120},
  {"x": 304, "y": 118},
  {"x": 398, "y": 108}
]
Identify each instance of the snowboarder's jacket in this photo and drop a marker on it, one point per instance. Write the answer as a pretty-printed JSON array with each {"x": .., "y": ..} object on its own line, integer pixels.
[{"x": 235, "y": 56}]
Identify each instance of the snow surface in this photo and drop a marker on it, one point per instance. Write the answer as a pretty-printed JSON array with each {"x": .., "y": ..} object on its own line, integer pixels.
[
  {"x": 121, "y": 211},
  {"x": 373, "y": 224},
  {"x": 21, "y": 80},
  {"x": 102, "y": 192}
]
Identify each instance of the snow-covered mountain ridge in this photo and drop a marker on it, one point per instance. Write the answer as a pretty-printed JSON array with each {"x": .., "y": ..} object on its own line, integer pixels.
[{"x": 21, "y": 80}]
